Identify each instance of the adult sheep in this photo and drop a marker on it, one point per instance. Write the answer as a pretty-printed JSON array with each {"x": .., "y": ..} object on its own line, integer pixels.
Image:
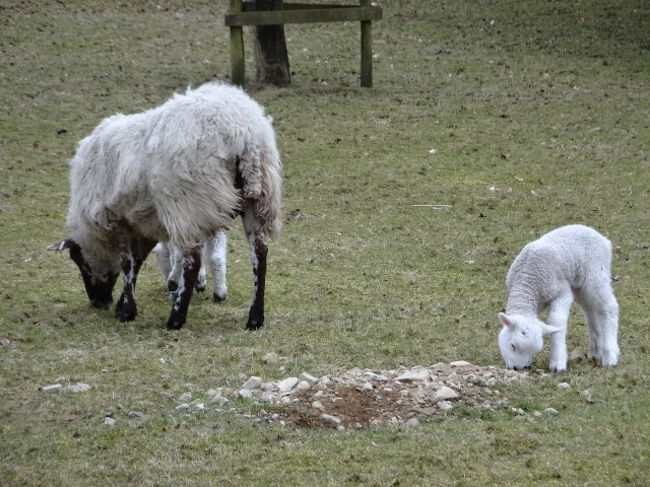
[
  {"x": 178, "y": 173},
  {"x": 569, "y": 262}
]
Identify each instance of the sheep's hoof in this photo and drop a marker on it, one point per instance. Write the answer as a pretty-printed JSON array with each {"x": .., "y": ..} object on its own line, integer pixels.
[
  {"x": 172, "y": 285},
  {"x": 217, "y": 298},
  {"x": 199, "y": 288},
  {"x": 254, "y": 324},
  {"x": 174, "y": 325}
]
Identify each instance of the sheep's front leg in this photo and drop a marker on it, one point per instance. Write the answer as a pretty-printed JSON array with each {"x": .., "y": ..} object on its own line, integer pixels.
[
  {"x": 126, "y": 309},
  {"x": 256, "y": 313},
  {"x": 558, "y": 315},
  {"x": 191, "y": 267}
]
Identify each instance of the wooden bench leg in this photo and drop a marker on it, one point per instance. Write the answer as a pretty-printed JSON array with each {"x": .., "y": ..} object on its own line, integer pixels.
[
  {"x": 237, "y": 73},
  {"x": 366, "y": 50}
]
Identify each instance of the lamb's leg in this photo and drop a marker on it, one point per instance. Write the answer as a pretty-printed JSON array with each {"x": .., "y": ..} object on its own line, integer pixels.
[
  {"x": 558, "y": 315},
  {"x": 191, "y": 267},
  {"x": 126, "y": 309},
  {"x": 601, "y": 312},
  {"x": 259, "y": 251},
  {"x": 215, "y": 253}
]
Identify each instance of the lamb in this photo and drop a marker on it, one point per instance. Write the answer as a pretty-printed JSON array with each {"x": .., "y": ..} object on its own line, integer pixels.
[
  {"x": 569, "y": 262},
  {"x": 178, "y": 173},
  {"x": 170, "y": 261}
]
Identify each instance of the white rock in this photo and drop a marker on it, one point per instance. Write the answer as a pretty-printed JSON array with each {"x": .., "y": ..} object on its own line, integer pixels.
[
  {"x": 51, "y": 387},
  {"x": 183, "y": 406},
  {"x": 564, "y": 386},
  {"x": 366, "y": 386},
  {"x": 109, "y": 421},
  {"x": 416, "y": 373},
  {"x": 4, "y": 342},
  {"x": 377, "y": 377},
  {"x": 270, "y": 358},
  {"x": 331, "y": 418},
  {"x": 551, "y": 411},
  {"x": 200, "y": 406},
  {"x": 445, "y": 405},
  {"x": 319, "y": 393},
  {"x": 413, "y": 422},
  {"x": 135, "y": 414},
  {"x": 303, "y": 385},
  {"x": 212, "y": 393},
  {"x": 245, "y": 393},
  {"x": 253, "y": 382},
  {"x": 308, "y": 377},
  {"x": 459, "y": 363},
  {"x": 186, "y": 396},
  {"x": 446, "y": 393},
  {"x": 317, "y": 405},
  {"x": 79, "y": 387},
  {"x": 287, "y": 384},
  {"x": 269, "y": 386}
]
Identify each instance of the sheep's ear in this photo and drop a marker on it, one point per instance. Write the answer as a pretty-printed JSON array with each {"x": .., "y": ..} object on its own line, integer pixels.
[
  {"x": 62, "y": 245},
  {"x": 506, "y": 320},
  {"x": 550, "y": 330}
]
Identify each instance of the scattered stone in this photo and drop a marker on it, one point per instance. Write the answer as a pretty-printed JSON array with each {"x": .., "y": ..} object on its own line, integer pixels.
[
  {"x": 551, "y": 411},
  {"x": 51, "y": 387},
  {"x": 303, "y": 385},
  {"x": 200, "y": 406},
  {"x": 183, "y": 406},
  {"x": 108, "y": 421},
  {"x": 86, "y": 415},
  {"x": 252, "y": 383},
  {"x": 564, "y": 386},
  {"x": 186, "y": 396},
  {"x": 166, "y": 395},
  {"x": 331, "y": 418},
  {"x": 416, "y": 373},
  {"x": 4, "y": 342},
  {"x": 79, "y": 387},
  {"x": 445, "y": 392},
  {"x": 460, "y": 363},
  {"x": 245, "y": 393},
  {"x": 377, "y": 377},
  {"x": 587, "y": 395},
  {"x": 287, "y": 384},
  {"x": 412, "y": 423},
  {"x": 366, "y": 386},
  {"x": 445, "y": 405},
  {"x": 220, "y": 400},
  {"x": 270, "y": 358},
  {"x": 308, "y": 378},
  {"x": 135, "y": 414},
  {"x": 317, "y": 405}
]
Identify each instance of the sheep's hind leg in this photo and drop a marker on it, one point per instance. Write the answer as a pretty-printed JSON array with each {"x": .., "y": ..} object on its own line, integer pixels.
[
  {"x": 126, "y": 309},
  {"x": 191, "y": 267},
  {"x": 259, "y": 251},
  {"x": 216, "y": 255},
  {"x": 601, "y": 311},
  {"x": 558, "y": 315}
]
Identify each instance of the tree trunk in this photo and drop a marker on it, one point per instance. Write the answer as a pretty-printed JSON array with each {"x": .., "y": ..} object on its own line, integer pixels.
[{"x": 271, "y": 55}]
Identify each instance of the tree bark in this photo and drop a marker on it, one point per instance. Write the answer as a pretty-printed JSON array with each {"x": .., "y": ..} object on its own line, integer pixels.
[{"x": 271, "y": 57}]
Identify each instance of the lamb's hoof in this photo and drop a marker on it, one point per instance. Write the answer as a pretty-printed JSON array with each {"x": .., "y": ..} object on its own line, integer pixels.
[
  {"x": 172, "y": 285},
  {"x": 254, "y": 325},
  {"x": 217, "y": 298},
  {"x": 174, "y": 325},
  {"x": 199, "y": 288}
]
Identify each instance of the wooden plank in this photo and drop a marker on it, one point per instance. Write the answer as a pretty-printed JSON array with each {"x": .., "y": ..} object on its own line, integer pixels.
[{"x": 303, "y": 15}]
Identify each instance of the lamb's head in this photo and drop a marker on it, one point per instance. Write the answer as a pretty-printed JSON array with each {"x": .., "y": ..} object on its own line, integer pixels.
[
  {"x": 521, "y": 338},
  {"x": 99, "y": 273}
]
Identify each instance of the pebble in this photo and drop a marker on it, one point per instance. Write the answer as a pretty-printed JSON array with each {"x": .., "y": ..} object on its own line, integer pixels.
[
  {"x": 51, "y": 387},
  {"x": 460, "y": 363},
  {"x": 135, "y": 414},
  {"x": 79, "y": 387},
  {"x": 564, "y": 386},
  {"x": 270, "y": 358},
  {"x": 446, "y": 393},
  {"x": 551, "y": 411},
  {"x": 186, "y": 396},
  {"x": 287, "y": 384},
  {"x": 308, "y": 378},
  {"x": 4, "y": 342},
  {"x": 317, "y": 405},
  {"x": 445, "y": 405},
  {"x": 183, "y": 406},
  {"x": 108, "y": 421},
  {"x": 331, "y": 418},
  {"x": 245, "y": 393},
  {"x": 253, "y": 383},
  {"x": 416, "y": 373}
]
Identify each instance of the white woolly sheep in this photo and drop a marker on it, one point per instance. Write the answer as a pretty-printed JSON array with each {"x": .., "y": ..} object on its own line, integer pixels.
[
  {"x": 178, "y": 173},
  {"x": 214, "y": 251},
  {"x": 569, "y": 262}
]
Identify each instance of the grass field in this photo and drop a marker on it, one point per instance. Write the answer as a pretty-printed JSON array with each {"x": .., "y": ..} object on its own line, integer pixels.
[{"x": 520, "y": 115}]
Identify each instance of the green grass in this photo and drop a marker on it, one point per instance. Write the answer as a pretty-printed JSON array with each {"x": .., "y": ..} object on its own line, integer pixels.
[{"x": 360, "y": 277}]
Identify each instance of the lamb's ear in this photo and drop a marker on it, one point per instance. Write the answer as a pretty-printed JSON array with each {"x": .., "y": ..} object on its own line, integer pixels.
[
  {"x": 549, "y": 330},
  {"x": 62, "y": 245},
  {"x": 506, "y": 320}
]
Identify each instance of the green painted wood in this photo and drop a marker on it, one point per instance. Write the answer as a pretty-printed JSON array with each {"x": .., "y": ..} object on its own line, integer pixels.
[
  {"x": 303, "y": 15},
  {"x": 237, "y": 66}
]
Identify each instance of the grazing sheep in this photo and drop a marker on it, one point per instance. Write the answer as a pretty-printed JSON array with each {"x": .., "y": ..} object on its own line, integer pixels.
[
  {"x": 170, "y": 260},
  {"x": 178, "y": 173},
  {"x": 569, "y": 262}
]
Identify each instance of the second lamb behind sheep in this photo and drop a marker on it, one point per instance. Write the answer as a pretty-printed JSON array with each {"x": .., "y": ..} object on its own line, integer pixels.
[{"x": 569, "y": 262}]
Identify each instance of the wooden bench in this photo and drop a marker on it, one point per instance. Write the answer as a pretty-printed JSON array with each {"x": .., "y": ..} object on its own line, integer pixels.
[{"x": 243, "y": 13}]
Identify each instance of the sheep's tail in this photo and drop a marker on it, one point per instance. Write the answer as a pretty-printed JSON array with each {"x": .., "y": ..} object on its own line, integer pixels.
[{"x": 261, "y": 172}]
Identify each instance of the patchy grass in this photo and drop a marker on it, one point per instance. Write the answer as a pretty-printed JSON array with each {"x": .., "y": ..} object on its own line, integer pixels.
[{"x": 546, "y": 102}]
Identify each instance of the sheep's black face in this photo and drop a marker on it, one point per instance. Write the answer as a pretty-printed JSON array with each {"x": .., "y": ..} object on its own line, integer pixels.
[{"x": 99, "y": 286}]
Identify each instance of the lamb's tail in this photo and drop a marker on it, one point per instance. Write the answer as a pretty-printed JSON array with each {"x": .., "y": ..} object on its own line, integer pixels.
[{"x": 261, "y": 172}]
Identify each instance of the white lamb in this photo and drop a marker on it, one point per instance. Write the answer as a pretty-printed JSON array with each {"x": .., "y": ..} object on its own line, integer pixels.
[
  {"x": 569, "y": 262},
  {"x": 180, "y": 173},
  {"x": 214, "y": 251}
]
